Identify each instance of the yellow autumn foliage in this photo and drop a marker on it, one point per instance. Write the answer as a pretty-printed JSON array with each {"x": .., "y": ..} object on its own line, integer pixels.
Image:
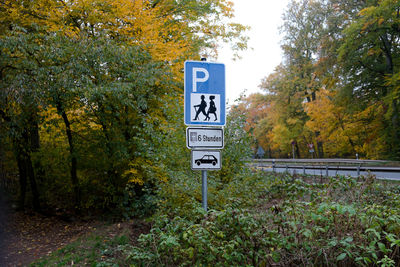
[
  {"x": 345, "y": 133},
  {"x": 141, "y": 168}
]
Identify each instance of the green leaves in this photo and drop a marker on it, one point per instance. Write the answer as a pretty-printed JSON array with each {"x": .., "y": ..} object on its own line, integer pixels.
[
  {"x": 111, "y": 96},
  {"x": 108, "y": 71},
  {"x": 341, "y": 257},
  {"x": 282, "y": 226}
]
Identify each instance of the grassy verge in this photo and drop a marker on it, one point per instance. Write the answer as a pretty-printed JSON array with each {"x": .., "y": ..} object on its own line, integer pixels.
[{"x": 100, "y": 248}]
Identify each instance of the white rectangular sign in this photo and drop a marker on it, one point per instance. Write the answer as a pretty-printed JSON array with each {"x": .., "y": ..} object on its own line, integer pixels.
[
  {"x": 206, "y": 160},
  {"x": 204, "y": 137}
]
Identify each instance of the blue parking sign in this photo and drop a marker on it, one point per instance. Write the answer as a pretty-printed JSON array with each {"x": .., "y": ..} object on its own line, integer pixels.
[{"x": 204, "y": 93}]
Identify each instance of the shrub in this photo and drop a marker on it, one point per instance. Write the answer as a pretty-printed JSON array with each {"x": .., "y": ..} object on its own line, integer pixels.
[{"x": 291, "y": 222}]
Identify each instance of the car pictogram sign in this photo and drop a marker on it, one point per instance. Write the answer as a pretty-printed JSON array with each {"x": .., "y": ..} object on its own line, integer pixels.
[{"x": 206, "y": 160}]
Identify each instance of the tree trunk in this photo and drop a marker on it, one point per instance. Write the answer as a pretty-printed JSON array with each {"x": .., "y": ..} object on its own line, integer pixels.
[
  {"x": 74, "y": 161},
  {"x": 23, "y": 146},
  {"x": 26, "y": 172},
  {"x": 396, "y": 130},
  {"x": 34, "y": 143},
  {"x": 114, "y": 176},
  {"x": 348, "y": 137},
  {"x": 297, "y": 150},
  {"x": 320, "y": 148},
  {"x": 22, "y": 181},
  {"x": 2, "y": 168},
  {"x": 112, "y": 173},
  {"x": 31, "y": 175}
]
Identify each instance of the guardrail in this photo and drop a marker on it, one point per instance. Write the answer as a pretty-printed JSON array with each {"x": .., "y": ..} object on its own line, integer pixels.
[
  {"x": 325, "y": 161},
  {"x": 326, "y": 164}
]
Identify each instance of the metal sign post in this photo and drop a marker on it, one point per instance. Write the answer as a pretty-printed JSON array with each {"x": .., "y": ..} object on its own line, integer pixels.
[
  {"x": 204, "y": 189},
  {"x": 204, "y": 99},
  {"x": 311, "y": 150},
  {"x": 293, "y": 143},
  {"x": 205, "y": 160}
]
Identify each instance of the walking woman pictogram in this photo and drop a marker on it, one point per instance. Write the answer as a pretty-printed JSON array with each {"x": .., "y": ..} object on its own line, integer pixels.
[
  {"x": 212, "y": 109},
  {"x": 201, "y": 108}
]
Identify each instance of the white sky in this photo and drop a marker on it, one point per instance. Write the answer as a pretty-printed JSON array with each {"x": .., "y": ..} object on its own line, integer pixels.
[{"x": 264, "y": 17}]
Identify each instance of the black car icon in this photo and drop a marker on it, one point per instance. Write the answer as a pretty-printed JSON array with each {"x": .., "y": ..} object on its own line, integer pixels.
[{"x": 206, "y": 159}]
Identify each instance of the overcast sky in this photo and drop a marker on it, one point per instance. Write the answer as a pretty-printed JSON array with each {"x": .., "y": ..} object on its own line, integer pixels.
[{"x": 264, "y": 17}]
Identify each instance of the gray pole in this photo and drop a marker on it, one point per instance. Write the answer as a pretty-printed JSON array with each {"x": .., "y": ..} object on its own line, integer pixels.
[
  {"x": 293, "y": 150},
  {"x": 204, "y": 189}
]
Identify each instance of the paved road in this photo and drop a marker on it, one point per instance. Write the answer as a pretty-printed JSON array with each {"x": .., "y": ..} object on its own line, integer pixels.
[{"x": 352, "y": 173}]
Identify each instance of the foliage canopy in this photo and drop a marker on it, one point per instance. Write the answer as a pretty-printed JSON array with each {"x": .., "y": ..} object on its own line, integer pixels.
[{"x": 337, "y": 87}]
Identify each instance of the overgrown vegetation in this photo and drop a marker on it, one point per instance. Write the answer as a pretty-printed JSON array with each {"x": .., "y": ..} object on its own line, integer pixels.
[
  {"x": 288, "y": 222},
  {"x": 264, "y": 219}
]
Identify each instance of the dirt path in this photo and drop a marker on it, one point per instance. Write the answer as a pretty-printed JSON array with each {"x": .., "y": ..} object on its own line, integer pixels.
[
  {"x": 3, "y": 226},
  {"x": 25, "y": 237}
]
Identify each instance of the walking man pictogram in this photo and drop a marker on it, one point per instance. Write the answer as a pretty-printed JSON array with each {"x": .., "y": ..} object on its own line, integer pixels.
[
  {"x": 201, "y": 108},
  {"x": 212, "y": 109}
]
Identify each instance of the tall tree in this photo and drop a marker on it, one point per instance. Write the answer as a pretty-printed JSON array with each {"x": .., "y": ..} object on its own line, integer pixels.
[
  {"x": 303, "y": 24},
  {"x": 286, "y": 110},
  {"x": 370, "y": 58},
  {"x": 101, "y": 68},
  {"x": 19, "y": 108}
]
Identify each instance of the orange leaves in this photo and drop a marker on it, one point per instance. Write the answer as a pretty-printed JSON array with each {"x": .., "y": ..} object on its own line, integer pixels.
[
  {"x": 16, "y": 12},
  {"x": 134, "y": 22},
  {"x": 131, "y": 21},
  {"x": 170, "y": 30},
  {"x": 343, "y": 132},
  {"x": 328, "y": 119}
]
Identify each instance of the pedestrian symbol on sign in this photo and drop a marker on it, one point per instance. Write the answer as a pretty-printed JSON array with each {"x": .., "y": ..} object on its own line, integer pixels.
[
  {"x": 204, "y": 93},
  {"x": 201, "y": 109},
  {"x": 212, "y": 109}
]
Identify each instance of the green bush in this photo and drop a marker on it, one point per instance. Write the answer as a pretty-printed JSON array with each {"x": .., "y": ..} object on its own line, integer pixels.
[{"x": 289, "y": 222}]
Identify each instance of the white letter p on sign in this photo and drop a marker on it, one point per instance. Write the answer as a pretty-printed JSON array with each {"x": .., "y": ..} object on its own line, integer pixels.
[{"x": 197, "y": 79}]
